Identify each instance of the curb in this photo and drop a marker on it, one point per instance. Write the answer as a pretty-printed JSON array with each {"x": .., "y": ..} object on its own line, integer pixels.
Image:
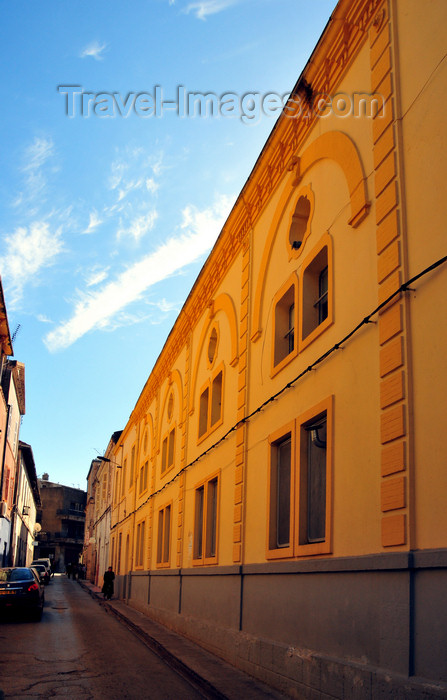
[{"x": 191, "y": 676}]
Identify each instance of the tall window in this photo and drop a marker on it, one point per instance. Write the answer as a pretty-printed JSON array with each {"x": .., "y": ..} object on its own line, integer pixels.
[
  {"x": 132, "y": 466},
  {"x": 300, "y": 485},
  {"x": 117, "y": 486},
  {"x": 168, "y": 451},
  {"x": 139, "y": 548},
  {"x": 143, "y": 477},
  {"x": 313, "y": 481},
  {"x": 205, "y": 522},
  {"x": 316, "y": 294},
  {"x": 285, "y": 324},
  {"x": 322, "y": 302},
  {"x": 164, "y": 536},
  {"x": 123, "y": 477},
  {"x": 210, "y": 404},
  {"x": 118, "y": 570},
  {"x": 282, "y": 447}
]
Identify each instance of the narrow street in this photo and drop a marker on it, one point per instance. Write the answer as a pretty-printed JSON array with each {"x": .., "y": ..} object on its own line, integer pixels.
[{"x": 78, "y": 650}]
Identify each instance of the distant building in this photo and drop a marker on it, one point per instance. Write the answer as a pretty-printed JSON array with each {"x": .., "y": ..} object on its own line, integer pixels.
[
  {"x": 98, "y": 513},
  {"x": 62, "y": 521},
  {"x": 24, "y": 511}
]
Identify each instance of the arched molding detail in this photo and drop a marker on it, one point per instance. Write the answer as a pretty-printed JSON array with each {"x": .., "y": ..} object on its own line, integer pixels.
[
  {"x": 225, "y": 304},
  {"x": 176, "y": 380},
  {"x": 147, "y": 425},
  {"x": 337, "y": 146},
  {"x": 306, "y": 193},
  {"x": 333, "y": 145}
]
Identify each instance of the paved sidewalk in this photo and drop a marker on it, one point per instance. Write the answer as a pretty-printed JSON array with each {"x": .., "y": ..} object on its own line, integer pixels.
[{"x": 214, "y": 677}]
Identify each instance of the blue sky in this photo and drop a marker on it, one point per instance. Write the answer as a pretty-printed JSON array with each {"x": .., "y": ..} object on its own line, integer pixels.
[{"x": 109, "y": 214}]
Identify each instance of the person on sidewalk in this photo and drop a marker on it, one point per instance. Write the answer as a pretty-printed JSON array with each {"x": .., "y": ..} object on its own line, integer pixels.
[{"x": 108, "y": 585}]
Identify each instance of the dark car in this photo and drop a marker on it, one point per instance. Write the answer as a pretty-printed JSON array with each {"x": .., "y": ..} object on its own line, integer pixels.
[
  {"x": 43, "y": 572},
  {"x": 21, "y": 591}
]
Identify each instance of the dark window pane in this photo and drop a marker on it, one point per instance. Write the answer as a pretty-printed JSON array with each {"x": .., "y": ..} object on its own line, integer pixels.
[
  {"x": 283, "y": 493},
  {"x": 211, "y": 518},
  {"x": 316, "y": 482},
  {"x": 199, "y": 524}
]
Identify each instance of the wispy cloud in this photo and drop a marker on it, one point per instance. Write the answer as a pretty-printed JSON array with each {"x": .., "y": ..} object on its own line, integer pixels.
[
  {"x": 203, "y": 8},
  {"x": 28, "y": 250},
  {"x": 93, "y": 50},
  {"x": 43, "y": 319},
  {"x": 151, "y": 185},
  {"x": 96, "y": 275},
  {"x": 99, "y": 310},
  {"x": 34, "y": 159},
  {"x": 94, "y": 222},
  {"x": 129, "y": 187},
  {"x": 139, "y": 226},
  {"x": 38, "y": 153}
]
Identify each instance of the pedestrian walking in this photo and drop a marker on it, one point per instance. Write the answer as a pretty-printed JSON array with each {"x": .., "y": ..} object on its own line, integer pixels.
[{"x": 108, "y": 585}]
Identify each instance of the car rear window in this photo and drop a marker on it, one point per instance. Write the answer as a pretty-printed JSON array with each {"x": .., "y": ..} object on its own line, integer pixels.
[{"x": 15, "y": 575}]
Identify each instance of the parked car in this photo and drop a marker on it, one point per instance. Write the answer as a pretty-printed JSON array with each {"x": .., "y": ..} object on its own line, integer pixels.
[
  {"x": 43, "y": 572},
  {"x": 21, "y": 591},
  {"x": 45, "y": 561}
]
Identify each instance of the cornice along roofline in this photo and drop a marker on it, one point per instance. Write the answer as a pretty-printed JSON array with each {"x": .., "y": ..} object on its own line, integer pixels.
[{"x": 339, "y": 43}]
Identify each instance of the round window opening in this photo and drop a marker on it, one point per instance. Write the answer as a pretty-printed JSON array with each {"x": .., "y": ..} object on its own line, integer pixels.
[
  {"x": 300, "y": 222},
  {"x": 212, "y": 346}
]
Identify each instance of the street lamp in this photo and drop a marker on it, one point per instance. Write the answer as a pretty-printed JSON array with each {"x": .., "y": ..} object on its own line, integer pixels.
[{"x": 106, "y": 459}]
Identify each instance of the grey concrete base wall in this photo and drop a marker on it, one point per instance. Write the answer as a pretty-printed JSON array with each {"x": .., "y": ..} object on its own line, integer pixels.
[
  {"x": 139, "y": 587},
  {"x": 213, "y": 598},
  {"x": 348, "y": 628},
  {"x": 165, "y": 589}
]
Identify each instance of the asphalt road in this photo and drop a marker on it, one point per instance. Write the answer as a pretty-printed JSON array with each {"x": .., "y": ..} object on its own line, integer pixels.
[{"x": 80, "y": 651}]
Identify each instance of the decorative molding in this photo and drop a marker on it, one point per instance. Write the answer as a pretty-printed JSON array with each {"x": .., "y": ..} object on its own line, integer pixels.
[{"x": 340, "y": 43}]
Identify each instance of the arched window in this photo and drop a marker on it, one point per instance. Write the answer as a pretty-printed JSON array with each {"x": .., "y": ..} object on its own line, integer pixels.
[{"x": 211, "y": 392}]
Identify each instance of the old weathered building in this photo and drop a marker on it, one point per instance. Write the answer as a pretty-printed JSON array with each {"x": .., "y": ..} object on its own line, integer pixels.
[
  {"x": 96, "y": 552},
  {"x": 63, "y": 519},
  {"x": 5, "y": 492},
  {"x": 13, "y": 395},
  {"x": 280, "y": 489},
  {"x": 25, "y": 508}
]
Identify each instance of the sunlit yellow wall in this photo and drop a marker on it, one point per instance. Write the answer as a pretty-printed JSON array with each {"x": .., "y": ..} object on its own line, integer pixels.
[
  {"x": 365, "y": 185},
  {"x": 422, "y": 98}
]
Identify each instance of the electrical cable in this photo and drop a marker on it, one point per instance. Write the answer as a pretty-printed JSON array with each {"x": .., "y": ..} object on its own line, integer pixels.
[{"x": 405, "y": 287}]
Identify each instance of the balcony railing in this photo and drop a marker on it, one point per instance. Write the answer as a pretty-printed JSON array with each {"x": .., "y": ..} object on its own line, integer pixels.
[{"x": 71, "y": 513}]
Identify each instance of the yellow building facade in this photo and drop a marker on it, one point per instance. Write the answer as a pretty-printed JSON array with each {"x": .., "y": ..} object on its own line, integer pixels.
[{"x": 281, "y": 483}]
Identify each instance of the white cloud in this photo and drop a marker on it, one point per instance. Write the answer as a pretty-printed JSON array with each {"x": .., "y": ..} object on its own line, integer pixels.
[
  {"x": 94, "y": 49},
  {"x": 130, "y": 186},
  {"x": 139, "y": 226},
  {"x": 151, "y": 185},
  {"x": 29, "y": 249},
  {"x": 101, "y": 309},
  {"x": 35, "y": 157},
  {"x": 93, "y": 223},
  {"x": 43, "y": 319},
  {"x": 203, "y": 8},
  {"x": 38, "y": 153},
  {"x": 95, "y": 276}
]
